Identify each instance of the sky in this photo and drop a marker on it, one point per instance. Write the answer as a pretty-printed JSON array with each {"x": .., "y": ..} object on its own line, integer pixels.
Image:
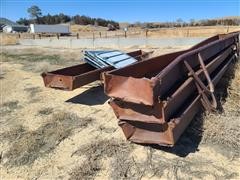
[{"x": 126, "y": 10}]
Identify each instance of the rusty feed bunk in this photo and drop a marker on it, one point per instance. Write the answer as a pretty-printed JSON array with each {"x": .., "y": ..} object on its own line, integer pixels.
[
  {"x": 155, "y": 100},
  {"x": 74, "y": 77}
]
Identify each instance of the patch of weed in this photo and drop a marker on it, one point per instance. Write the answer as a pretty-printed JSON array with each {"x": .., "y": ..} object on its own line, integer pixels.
[
  {"x": 33, "y": 90},
  {"x": 45, "y": 111},
  {"x": 94, "y": 153},
  {"x": 13, "y": 134},
  {"x": 88, "y": 170},
  {"x": 107, "y": 129},
  {"x": 33, "y": 144},
  {"x": 2, "y": 75},
  {"x": 8, "y": 107},
  {"x": 29, "y": 57}
]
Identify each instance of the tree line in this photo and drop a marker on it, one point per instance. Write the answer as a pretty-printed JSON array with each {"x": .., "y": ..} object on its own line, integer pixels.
[
  {"x": 36, "y": 17},
  {"x": 192, "y": 22}
]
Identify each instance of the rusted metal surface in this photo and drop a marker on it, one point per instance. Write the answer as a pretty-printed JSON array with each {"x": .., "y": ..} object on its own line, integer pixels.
[
  {"x": 160, "y": 112},
  {"x": 155, "y": 100},
  {"x": 154, "y": 80},
  {"x": 168, "y": 133},
  {"x": 74, "y": 77}
]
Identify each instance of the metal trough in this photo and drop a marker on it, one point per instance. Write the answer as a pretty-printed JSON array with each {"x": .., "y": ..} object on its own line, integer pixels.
[
  {"x": 74, "y": 77},
  {"x": 155, "y": 100},
  {"x": 157, "y": 76}
]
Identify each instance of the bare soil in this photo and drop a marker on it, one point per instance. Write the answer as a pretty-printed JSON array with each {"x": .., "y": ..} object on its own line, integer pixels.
[{"x": 53, "y": 134}]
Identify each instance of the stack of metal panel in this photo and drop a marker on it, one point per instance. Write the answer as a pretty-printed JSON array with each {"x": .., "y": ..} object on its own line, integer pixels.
[
  {"x": 102, "y": 59},
  {"x": 155, "y": 100}
]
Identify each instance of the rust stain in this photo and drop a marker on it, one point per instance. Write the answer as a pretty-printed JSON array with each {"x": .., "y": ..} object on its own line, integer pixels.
[{"x": 155, "y": 100}]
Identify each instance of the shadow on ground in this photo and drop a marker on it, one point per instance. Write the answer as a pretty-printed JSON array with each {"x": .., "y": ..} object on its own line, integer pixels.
[
  {"x": 191, "y": 138},
  {"x": 92, "y": 96}
]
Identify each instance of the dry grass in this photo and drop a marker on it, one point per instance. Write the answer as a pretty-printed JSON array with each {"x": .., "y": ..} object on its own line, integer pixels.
[
  {"x": 27, "y": 146},
  {"x": 123, "y": 165},
  {"x": 33, "y": 62},
  {"x": 8, "y": 107},
  {"x": 88, "y": 28},
  {"x": 30, "y": 57},
  {"x": 204, "y": 31},
  {"x": 179, "y": 168},
  {"x": 8, "y": 39},
  {"x": 33, "y": 91},
  {"x": 95, "y": 152},
  {"x": 222, "y": 128},
  {"x": 201, "y": 31},
  {"x": 42, "y": 67},
  {"x": 45, "y": 111},
  {"x": 3, "y": 72}
]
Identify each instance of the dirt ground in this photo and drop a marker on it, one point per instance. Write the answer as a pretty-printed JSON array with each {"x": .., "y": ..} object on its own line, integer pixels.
[{"x": 53, "y": 134}]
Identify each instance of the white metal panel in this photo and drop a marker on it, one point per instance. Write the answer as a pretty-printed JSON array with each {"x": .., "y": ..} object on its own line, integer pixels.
[
  {"x": 7, "y": 29},
  {"x": 42, "y": 28},
  {"x": 32, "y": 28}
]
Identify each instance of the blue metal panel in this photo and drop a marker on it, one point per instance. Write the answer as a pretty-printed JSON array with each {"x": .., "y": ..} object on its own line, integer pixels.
[{"x": 100, "y": 59}]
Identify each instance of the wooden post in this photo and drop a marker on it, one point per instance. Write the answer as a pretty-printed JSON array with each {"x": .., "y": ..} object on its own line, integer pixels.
[
  {"x": 57, "y": 36},
  {"x": 33, "y": 36},
  {"x": 77, "y": 35},
  {"x": 100, "y": 34},
  {"x": 125, "y": 34},
  {"x": 19, "y": 35},
  {"x": 147, "y": 33}
]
